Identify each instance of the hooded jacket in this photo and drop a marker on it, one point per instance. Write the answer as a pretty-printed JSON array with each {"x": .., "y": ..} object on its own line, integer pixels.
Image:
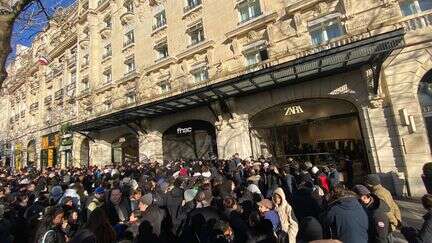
[
  {"x": 346, "y": 220},
  {"x": 286, "y": 215}
]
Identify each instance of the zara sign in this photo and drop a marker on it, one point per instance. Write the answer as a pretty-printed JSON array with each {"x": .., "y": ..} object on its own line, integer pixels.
[{"x": 293, "y": 110}]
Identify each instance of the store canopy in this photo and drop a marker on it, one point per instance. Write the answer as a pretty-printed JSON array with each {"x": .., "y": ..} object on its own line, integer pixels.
[{"x": 371, "y": 51}]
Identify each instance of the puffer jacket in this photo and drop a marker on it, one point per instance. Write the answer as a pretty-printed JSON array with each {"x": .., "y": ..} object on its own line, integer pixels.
[
  {"x": 347, "y": 221},
  {"x": 286, "y": 215},
  {"x": 394, "y": 215}
]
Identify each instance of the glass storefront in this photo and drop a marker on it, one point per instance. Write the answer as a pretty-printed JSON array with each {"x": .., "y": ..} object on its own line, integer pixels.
[
  {"x": 190, "y": 140},
  {"x": 49, "y": 150},
  {"x": 322, "y": 131}
]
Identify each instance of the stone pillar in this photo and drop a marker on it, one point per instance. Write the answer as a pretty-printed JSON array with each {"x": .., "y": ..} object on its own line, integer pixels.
[
  {"x": 402, "y": 78},
  {"x": 150, "y": 146},
  {"x": 232, "y": 137},
  {"x": 100, "y": 153}
]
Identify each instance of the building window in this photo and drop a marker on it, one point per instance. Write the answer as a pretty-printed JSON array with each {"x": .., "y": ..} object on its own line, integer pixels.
[
  {"x": 200, "y": 75},
  {"x": 85, "y": 84},
  {"x": 129, "y": 6},
  {"x": 130, "y": 65},
  {"x": 165, "y": 86},
  {"x": 129, "y": 38},
  {"x": 86, "y": 60},
  {"x": 326, "y": 31},
  {"x": 161, "y": 50},
  {"x": 107, "y": 76},
  {"x": 159, "y": 20},
  {"x": 107, "y": 51},
  {"x": 196, "y": 34},
  {"x": 191, "y": 4},
  {"x": 108, "y": 105},
  {"x": 256, "y": 56},
  {"x": 410, "y": 7},
  {"x": 107, "y": 21},
  {"x": 130, "y": 98},
  {"x": 249, "y": 9},
  {"x": 73, "y": 76}
]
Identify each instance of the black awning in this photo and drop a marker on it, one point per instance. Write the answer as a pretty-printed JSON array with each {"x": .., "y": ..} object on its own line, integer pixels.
[{"x": 370, "y": 51}]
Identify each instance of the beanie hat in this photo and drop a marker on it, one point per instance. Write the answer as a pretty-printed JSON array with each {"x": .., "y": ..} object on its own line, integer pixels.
[
  {"x": 147, "y": 199},
  {"x": 361, "y": 190},
  {"x": 183, "y": 172},
  {"x": 372, "y": 179},
  {"x": 100, "y": 190},
  {"x": 190, "y": 194},
  {"x": 56, "y": 192},
  {"x": 314, "y": 170}
]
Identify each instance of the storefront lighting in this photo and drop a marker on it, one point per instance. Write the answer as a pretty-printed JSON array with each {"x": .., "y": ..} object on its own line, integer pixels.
[
  {"x": 405, "y": 117},
  {"x": 412, "y": 125}
]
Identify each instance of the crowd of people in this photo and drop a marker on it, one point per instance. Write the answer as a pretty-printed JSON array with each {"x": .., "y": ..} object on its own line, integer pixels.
[{"x": 212, "y": 201}]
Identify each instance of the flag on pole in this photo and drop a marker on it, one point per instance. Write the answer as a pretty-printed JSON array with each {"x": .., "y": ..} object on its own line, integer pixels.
[{"x": 42, "y": 60}]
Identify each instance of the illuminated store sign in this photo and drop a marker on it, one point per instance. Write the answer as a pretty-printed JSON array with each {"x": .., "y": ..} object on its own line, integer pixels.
[
  {"x": 185, "y": 130},
  {"x": 293, "y": 110}
]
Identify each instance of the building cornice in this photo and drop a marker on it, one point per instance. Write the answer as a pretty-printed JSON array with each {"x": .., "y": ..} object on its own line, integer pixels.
[
  {"x": 258, "y": 22},
  {"x": 195, "y": 49}
]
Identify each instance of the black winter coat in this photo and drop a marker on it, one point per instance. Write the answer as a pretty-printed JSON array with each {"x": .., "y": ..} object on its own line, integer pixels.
[
  {"x": 155, "y": 216},
  {"x": 378, "y": 221},
  {"x": 347, "y": 221}
]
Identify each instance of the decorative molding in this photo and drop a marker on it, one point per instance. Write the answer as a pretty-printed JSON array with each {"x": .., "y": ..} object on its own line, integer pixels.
[
  {"x": 196, "y": 49},
  {"x": 160, "y": 64},
  {"x": 254, "y": 24}
]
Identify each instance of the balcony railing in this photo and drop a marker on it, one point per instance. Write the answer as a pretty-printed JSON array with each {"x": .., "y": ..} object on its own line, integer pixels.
[
  {"x": 72, "y": 61},
  {"x": 416, "y": 22},
  {"x": 58, "y": 95},
  {"x": 49, "y": 76},
  {"x": 128, "y": 42},
  {"x": 107, "y": 54},
  {"x": 71, "y": 86},
  {"x": 58, "y": 71},
  {"x": 159, "y": 25},
  {"x": 47, "y": 100},
  {"x": 191, "y": 5}
]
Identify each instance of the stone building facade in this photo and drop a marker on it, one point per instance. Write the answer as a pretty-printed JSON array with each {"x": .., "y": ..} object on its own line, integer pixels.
[{"x": 141, "y": 79}]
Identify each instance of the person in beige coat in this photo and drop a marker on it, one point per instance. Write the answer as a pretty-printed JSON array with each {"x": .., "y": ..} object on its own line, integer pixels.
[{"x": 286, "y": 214}]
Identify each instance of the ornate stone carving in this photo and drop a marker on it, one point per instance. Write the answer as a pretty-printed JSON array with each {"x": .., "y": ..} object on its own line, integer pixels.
[
  {"x": 193, "y": 16},
  {"x": 299, "y": 23},
  {"x": 235, "y": 47},
  {"x": 347, "y": 7}
]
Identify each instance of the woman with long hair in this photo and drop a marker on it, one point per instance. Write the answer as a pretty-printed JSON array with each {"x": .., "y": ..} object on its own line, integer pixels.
[
  {"x": 50, "y": 229},
  {"x": 286, "y": 214},
  {"x": 97, "y": 229}
]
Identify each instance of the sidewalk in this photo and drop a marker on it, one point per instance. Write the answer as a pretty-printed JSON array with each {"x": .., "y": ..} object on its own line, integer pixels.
[{"x": 412, "y": 215}]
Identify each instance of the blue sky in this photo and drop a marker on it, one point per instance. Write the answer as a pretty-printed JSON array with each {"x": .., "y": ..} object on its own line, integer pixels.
[{"x": 25, "y": 30}]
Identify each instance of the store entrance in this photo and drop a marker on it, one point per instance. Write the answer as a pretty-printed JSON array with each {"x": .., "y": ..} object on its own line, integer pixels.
[{"x": 322, "y": 131}]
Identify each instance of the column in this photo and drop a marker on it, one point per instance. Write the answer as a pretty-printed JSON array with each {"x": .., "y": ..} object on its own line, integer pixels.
[
  {"x": 233, "y": 137},
  {"x": 150, "y": 146},
  {"x": 100, "y": 153}
]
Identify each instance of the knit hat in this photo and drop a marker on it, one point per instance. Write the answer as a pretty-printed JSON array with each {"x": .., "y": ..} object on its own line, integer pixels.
[
  {"x": 314, "y": 170},
  {"x": 56, "y": 192},
  {"x": 361, "y": 190},
  {"x": 372, "y": 179},
  {"x": 100, "y": 190},
  {"x": 147, "y": 199},
  {"x": 206, "y": 174},
  {"x": 253, "y": 189},
  {"x": 183, "y": 172},
  {"x": 190, "y": 194},
  {"x": 266, "y": 203}
]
